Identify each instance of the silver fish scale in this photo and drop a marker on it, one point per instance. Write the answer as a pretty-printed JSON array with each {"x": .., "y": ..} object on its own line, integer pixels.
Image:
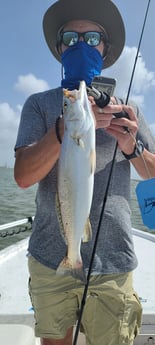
[{"x": 76, "y": 177}]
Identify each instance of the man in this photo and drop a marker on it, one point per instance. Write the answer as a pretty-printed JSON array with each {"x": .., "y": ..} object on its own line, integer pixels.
[{"x": 89, "y": 34}]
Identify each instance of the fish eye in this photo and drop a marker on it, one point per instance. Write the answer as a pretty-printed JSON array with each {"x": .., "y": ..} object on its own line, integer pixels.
[{"x": 65, "y": 104}]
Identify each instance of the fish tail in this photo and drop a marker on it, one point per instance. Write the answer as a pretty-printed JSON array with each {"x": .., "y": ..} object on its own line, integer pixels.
[{"x": 76, "y": 270}]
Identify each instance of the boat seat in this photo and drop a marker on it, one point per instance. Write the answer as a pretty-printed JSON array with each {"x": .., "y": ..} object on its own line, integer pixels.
[{"x": 16, "y": 334}]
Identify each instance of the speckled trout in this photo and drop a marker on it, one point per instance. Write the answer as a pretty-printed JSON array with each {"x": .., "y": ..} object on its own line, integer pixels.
[{"x": 76, "y": 169}]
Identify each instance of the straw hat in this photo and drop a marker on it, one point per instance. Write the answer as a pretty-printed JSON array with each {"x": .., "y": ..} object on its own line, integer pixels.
[{"x": 102, "y": 12}]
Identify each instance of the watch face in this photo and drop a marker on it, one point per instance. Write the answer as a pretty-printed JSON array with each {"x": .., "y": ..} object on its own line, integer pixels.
[{"x": 139, "y": 148}]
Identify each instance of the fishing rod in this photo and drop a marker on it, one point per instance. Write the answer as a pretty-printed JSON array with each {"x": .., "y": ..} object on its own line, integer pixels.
[{"x": 107, "y": 189}]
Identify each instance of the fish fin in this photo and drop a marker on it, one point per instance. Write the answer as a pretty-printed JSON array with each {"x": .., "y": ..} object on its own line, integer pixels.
[
  {"x": 92, "y": 161},
  {"x": 59, "y": 216},
  {"x": 78, "y": 141},
  {"x": 87, "y": 236},
  {"x": 67, "y": 268},
  {"x": 81, "y": 143}
]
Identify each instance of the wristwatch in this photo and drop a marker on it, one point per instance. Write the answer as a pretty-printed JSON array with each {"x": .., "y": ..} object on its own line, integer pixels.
[{"x": 138, "y": 150}]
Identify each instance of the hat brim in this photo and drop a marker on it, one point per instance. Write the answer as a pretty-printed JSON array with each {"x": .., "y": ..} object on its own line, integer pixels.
[{"x": 102, "y": 12}]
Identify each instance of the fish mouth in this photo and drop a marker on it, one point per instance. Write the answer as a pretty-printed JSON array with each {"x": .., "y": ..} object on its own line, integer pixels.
[{"x": 70, "y": 95}]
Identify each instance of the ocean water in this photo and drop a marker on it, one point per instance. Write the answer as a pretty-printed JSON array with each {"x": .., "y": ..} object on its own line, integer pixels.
[{"x": 17, "y": 203}]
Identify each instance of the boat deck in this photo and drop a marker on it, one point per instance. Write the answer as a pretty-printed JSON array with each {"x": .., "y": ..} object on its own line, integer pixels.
[{"x": 15, "y": 306}]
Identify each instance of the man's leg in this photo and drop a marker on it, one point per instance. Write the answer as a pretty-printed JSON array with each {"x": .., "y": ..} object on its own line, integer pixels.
[
  {"x": 65, "y": 341},
  {"x": 55, "y": 304},
  {"x": 112, "y": 313}
]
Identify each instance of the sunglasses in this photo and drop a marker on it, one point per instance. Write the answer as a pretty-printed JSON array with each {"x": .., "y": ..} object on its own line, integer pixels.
[{"x": 92, "y": 38}]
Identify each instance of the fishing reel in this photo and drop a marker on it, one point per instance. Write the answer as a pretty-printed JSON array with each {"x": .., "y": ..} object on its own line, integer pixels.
[{"x": 101, "y": 98}]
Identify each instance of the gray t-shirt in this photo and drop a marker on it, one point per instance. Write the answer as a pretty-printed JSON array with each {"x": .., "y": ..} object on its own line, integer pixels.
[{"x": 115, "y": 249}]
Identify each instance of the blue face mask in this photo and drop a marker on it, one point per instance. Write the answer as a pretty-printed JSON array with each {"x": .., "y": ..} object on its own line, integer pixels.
[{"x": 80, "y": 62}]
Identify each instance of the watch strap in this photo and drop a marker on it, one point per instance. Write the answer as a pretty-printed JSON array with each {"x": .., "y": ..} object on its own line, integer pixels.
[{"x": 137, "y": 152}]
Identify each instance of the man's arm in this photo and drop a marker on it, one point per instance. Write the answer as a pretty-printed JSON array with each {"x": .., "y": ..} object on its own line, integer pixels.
[
  {"x": 34, "y": 162},
  {"x": 145, "y": 164}
]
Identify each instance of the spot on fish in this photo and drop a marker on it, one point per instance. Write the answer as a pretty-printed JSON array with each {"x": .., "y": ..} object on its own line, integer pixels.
[
  {"x": 87, "y": 236},
  {"x": 58, "y": 210},
  {"x": 78, "y": 141},
  {"x": 92, "y": 161}
]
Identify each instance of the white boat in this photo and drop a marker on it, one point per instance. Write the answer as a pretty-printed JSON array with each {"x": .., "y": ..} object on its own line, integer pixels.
[{"x": 16, "y": 314}]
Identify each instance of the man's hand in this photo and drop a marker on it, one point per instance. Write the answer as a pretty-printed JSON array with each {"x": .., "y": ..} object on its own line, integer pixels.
[{"x": 123, "y": 129}]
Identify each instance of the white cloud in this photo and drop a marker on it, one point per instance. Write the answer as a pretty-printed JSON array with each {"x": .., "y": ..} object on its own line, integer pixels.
[
  {"x": 122, "y": 71},
  {"x": 139, "y": 100},
  {"x": 29, "y": 84},
  {"x": 19, "y": 107},
  {"x": 152, "y": 127},
  {"x": 9, "y": 117}
]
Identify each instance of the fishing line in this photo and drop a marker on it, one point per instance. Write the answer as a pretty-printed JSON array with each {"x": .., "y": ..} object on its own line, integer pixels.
[{"x": 106, "y": 191}]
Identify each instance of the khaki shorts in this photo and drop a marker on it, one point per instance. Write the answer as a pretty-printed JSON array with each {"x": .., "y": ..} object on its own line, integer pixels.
[{"x": 112, "y": 312}]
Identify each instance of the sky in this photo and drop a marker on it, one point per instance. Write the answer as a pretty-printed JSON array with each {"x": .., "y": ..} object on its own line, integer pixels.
[{"x": 27, "y": 66}]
